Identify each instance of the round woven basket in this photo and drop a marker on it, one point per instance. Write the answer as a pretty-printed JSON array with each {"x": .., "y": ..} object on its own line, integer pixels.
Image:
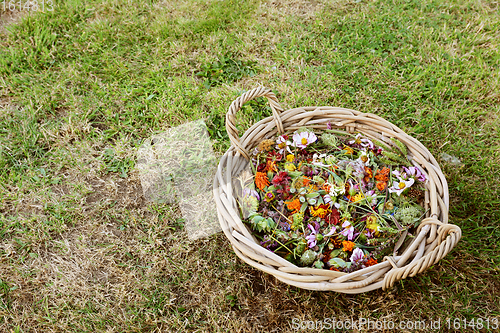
[{"x": 433, "y": 240}]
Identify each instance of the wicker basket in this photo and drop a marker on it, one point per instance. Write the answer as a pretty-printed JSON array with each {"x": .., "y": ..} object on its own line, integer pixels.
[{"x": 434, "y": 238}]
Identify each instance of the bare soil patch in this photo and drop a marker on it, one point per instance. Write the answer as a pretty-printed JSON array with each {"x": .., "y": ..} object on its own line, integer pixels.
[{"x": 9, "y": 17}]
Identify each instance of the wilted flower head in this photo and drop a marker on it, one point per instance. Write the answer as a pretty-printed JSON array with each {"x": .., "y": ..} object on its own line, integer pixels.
[
  {"x": 250, "y": 192},
  {"x": 283, "y": 144},
  {"x": 348, "y": 230},
  {"x": 415, "y": 172},
  {"x": 311, "y": 239},
  {"x": 281, "y": 178},
  {"x": 364, "y": 158},
  {"x": 362, "y": 142}
]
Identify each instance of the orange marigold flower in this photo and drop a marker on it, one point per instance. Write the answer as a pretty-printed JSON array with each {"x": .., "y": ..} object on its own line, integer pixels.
[
  {"x": 348, "y": 246},
  {"x": 385, "y": 170},
  {"x": 368, "y": 174},
  {"x": 383, "y": 174},
  {"x": 306, "y": 180},
  {"x": 371, "y": 262},
  {"x": 320, "y": 210},
  {"x": 381, "y": 186},
  {"x": 261, "y": 180},
  {"x": 293, "y": 205}
]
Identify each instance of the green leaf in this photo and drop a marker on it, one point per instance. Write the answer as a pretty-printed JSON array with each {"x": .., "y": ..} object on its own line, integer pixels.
[{"x": 337, "y": 262}]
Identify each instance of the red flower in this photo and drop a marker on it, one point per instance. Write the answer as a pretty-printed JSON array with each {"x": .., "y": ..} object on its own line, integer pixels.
[
  {"x": 277, "y": 156},
  {"x": 333, "y": 217},
  {"x": 281, "y": 178}
]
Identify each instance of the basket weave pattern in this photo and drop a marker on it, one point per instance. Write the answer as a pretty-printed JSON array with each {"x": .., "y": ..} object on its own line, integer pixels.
[{"x": 434, "y": 238}]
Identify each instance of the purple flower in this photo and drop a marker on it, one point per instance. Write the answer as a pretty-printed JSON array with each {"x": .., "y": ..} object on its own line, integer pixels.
[
  {"x": 285, "y": 226},
  {"x": 250, "y": 192},
  {"x": 302, "y": 140},
  {"x": 268, "y": 243},
  {"x": 357, "y": 255},
  {"x": 334, "y": 228},
  {"x": 311, "y": 239}
]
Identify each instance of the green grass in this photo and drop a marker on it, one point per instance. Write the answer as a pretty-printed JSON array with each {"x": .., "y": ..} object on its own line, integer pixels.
[{"x": 81, "y": 87}]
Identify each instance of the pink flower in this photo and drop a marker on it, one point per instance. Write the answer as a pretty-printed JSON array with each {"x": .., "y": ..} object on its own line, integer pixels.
[
  {"x": 416, "y": 173},
  {"x": 357, "y": 255},
  {"x": 302, "y": 140},
  {"x": 311, "y": 239},
  {"x": 348, "y": 230},
  {"x": 362, "y": 142},
  {"x": 368, "y": 233},
  {"x": 334, "y": 228}
]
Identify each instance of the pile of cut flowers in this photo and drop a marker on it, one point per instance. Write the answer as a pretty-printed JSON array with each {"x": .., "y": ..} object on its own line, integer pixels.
[{"x": 332, "y": 200}]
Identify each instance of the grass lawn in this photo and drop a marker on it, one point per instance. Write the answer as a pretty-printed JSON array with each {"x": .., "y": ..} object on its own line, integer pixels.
[{"x": 82, "y": 86}]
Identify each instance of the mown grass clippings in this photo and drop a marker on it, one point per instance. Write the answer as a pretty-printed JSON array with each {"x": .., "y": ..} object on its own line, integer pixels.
[{"x": 82, "y": 250}]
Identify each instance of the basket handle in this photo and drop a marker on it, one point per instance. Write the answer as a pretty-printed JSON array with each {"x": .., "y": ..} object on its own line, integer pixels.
[{"x": 236, "y": 105}]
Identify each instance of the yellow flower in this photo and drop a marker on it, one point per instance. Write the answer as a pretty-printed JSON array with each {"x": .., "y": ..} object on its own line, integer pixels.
[
  {"x": 290, "y": 158},
  {"x": 357, "y": 197},
  {"x": 271, "y": 166},
  {"x": 290, "y": 167},
  {"x": 320, "y": 210},
  {"x": 348, "y": 150},
  {"x": 269, "y": 196},
  {"x": 371, "y": 223}
]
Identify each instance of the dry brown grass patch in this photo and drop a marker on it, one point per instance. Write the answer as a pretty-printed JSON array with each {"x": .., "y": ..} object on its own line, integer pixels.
[{"x": 9, "y": 17}]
